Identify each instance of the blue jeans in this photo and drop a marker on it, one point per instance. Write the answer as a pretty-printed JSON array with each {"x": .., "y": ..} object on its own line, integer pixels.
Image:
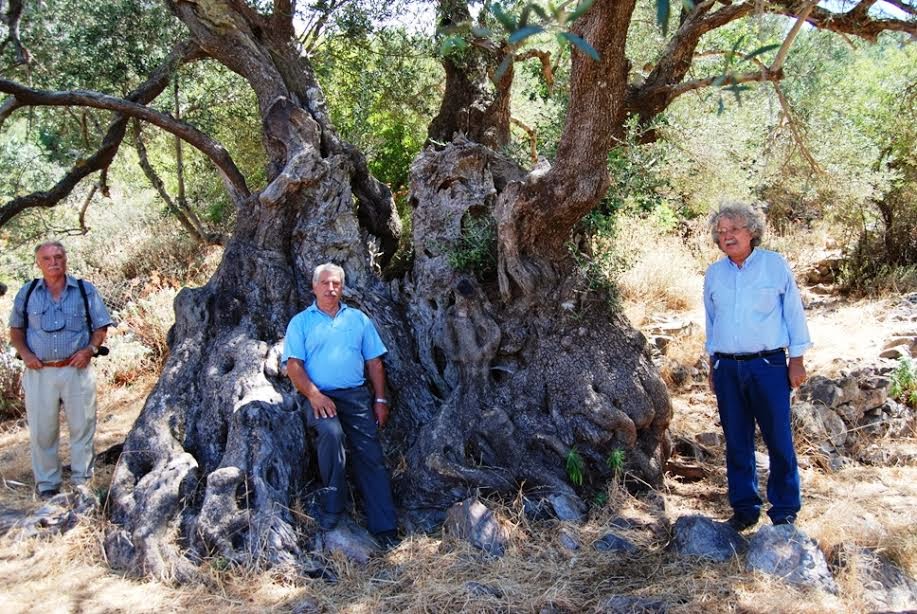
[
  {"x": 355, "y": 426},
  {"x": 749, "y": 391}
]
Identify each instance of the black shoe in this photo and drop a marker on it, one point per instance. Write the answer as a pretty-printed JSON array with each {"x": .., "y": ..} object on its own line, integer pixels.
[
  {"x": 328, "y": 520},
  {"x": 785, "y": 520},
  {"x": 740, "y": 523},
  {"x": 388, "y": 539},
  {"x": 44, "y": 495}
]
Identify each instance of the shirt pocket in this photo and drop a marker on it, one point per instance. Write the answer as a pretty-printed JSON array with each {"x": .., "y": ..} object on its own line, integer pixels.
[
  {"x": 766, "y": 300},
  {"x": 76, "y": 323},
  {"x": 52, "y": 320}
]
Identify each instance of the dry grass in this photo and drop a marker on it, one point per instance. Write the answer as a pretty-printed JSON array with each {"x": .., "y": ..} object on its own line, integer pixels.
[{"x": 663, "y": 274}]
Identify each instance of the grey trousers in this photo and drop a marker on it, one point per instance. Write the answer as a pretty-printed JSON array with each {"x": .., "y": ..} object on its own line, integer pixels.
[
  {"x": 45, "y": 390},
  {"x": 355, "y": 426}
]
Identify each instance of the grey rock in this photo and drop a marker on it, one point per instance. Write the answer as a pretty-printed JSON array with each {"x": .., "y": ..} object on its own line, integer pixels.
[
  {"x": 698, "y": 536},
  {"x": 306, "y": 606},
  {"x": 483, "y": 590},
  {"x": 886, "y": 586},
  {"x": 897, "y": 352},
  {"x": 568, "y": 540},
  {"x": 850, "y": 389},
  {"x": 59, "y": 514},
  {"x": 872, "y": 382},
  {"x": 787, "y": 553},
  {"x": 850, "y": 413},
  {"x": 762, "y": 463},
  {"x": 614, "y": 543},
  {"x": 871, "y": 398},
  {"x": 710, "y": 439},
  {"x": 472, "y": 521},
  {"x": 820, "y": 423},
  {"x": 349, "y": 539},
  {"x": 821, "y": 391},
  {"x": 422, "y": 520},
  {"x": 627, "y": 604},
  {"x": 537, "y": 510},
  {"x": 567, "y": 507}
]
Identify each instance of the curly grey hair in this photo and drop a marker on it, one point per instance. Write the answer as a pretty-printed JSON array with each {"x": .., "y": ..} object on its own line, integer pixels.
[
  {"x": 331, "y": 268},
  {"x": 753, "y": 218}
]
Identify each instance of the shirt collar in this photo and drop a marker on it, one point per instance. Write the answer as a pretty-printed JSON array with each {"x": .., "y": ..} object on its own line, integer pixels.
[
  {"x": 314, "y": 307},
  {"x": 71, "y": 282},
  {"x": 751, "y": 257}
]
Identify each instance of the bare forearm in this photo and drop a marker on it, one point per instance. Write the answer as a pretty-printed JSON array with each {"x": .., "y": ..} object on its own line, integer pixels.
[
  {"x": 300, "y": 378},
  {"x": 17, "y": 340},
  {"x": 375, "y": 370},
  {"x": 98, "y": 336}
]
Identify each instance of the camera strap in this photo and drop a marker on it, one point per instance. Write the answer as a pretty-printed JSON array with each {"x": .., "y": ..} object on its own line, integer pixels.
[{"x": 79, "y": 282}]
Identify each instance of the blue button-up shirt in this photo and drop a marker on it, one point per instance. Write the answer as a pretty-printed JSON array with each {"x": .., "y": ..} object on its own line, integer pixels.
[
  {"x": 754, "y": 308},
  {"x": 55, "y": 330},
  {"x": 333, "y": 350}
]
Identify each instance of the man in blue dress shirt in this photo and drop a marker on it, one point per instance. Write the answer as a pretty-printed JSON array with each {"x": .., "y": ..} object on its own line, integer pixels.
[
  {"x": 52, "y": 336},
  {"x": 328, "y": 348},
  {"x": 754, "y": 320}
]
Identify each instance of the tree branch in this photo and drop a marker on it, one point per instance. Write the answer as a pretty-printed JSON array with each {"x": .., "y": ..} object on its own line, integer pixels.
[
  {"x": 85, "y": 207},
  {"x": 687, "y": 86},
  {"x": 160, "y": 186},
  {"x": 282, "y": 18},
  {"x": 545, "y": 57},
  {"x": 903, "y": 6},
  {"x": 791, "y": 36},
  {"x": 12, "y": 19},
  {"x": 234, "y": 180},
  {"x": 184, "y": 52},
  {"x": 857, "y": 21},
  {"x": 794, "y": 130}
]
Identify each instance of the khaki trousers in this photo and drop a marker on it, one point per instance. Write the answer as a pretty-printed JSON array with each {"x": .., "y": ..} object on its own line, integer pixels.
[{"x": 45, "y": 390}]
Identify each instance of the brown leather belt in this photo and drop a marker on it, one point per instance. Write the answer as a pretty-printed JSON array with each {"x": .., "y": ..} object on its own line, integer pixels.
[{"x": 56, "y": 363}]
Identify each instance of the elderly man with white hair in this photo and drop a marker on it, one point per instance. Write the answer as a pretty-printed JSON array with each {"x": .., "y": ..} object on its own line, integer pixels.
[
  {"x": 327, "y": 350},
  {"x": 754, "y": 323}
]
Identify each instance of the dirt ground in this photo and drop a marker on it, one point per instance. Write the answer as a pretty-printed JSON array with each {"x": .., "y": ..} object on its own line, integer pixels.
[{"x": 865, "y": 506}]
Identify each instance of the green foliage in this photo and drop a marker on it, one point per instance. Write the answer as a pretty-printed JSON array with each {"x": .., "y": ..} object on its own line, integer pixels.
[
  {"x": 615, "y": 460},
  {"x": 575, "y": 466},
  {"x": 381, "y": 94},
  {"x": 476, "y": 252},
  {"x": 600, "y": 499},
  {"x": 904, "y": 382}
]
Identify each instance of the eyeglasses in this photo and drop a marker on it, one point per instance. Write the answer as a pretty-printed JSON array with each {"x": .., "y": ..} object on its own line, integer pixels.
[{"x": 728, "y": 231}]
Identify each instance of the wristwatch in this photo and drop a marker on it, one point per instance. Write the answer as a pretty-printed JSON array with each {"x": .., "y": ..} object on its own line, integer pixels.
[
  {"x": 382, "y": 400},
  {"x": 95, "y": 349}
]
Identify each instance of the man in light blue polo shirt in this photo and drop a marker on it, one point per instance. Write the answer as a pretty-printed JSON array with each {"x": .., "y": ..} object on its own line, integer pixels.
[
  {"x": 754, "y": 319},
  {"x": 327, "y": 350},
  {"x": 53, "y": 337}
]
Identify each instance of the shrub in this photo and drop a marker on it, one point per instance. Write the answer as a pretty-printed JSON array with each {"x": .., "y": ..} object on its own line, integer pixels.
[
  {"x": 476, "y": 253},
  {"x": 11, "y": 403},
  {"x": 904, "y": 382}
]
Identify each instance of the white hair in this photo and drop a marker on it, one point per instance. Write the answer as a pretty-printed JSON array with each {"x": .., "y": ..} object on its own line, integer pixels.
[{"x": 329, "y": 267}]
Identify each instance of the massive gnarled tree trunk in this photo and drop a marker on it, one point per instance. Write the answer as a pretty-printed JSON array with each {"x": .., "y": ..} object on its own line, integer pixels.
[{"x": 496, "y": 377}]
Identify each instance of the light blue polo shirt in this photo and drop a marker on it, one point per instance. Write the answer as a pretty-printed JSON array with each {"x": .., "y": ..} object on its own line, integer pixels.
[{"x": 333, "y": 350}]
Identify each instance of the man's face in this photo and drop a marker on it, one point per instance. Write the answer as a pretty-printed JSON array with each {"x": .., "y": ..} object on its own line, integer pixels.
[
  {"x": 328, "y": 289},
  {"x": 52, "y": 261},
  {"x": 734, "y": 238}
]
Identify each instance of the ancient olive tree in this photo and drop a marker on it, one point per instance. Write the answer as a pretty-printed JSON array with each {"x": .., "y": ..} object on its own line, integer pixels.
[{"x": 496, "y": 374}]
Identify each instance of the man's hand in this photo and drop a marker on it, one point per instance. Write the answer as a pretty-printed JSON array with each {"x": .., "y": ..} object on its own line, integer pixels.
[
  {"x": 381, "y": 412},
  {"x": 81, "y": 358},
  {"x": 322, "y": 406},
  {"x": 710, "y": 369},
  {"x": 797, "y": 372},
  {"x": 31, "y": 361}
]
